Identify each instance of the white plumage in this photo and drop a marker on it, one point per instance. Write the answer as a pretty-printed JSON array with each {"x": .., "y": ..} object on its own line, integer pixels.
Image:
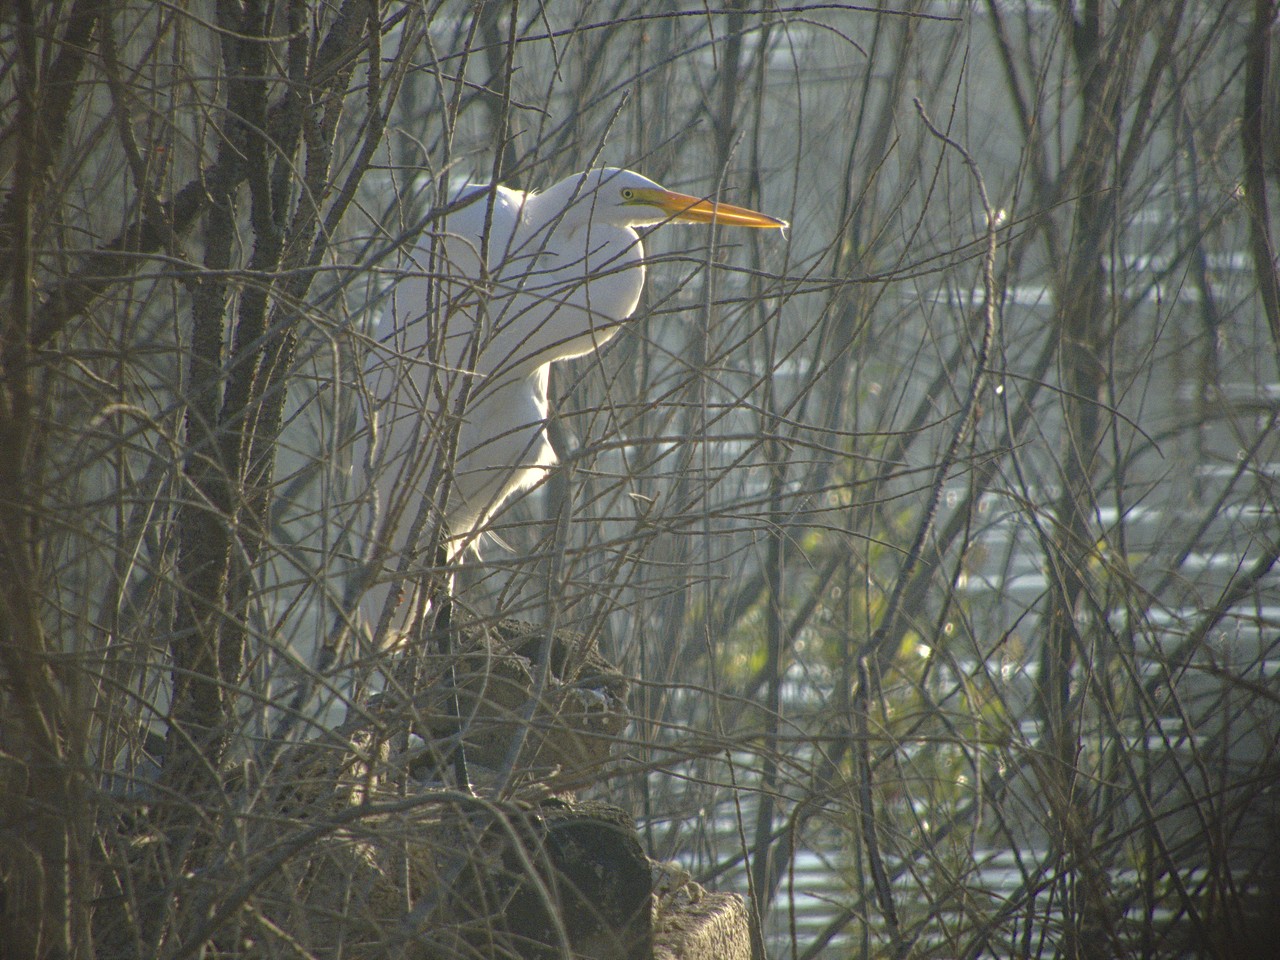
[{"x": 563, "y": 270}]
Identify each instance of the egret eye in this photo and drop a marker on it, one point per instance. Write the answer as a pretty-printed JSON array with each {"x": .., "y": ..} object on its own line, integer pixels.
[{"x": 628, "y": 194}]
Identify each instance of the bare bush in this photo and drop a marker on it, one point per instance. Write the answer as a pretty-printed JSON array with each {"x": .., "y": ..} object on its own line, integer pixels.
[{"x": 938, "y": 540}]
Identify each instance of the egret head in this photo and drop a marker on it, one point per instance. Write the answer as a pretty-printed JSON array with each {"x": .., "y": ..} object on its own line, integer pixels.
[{"x": 611, "y": 195}]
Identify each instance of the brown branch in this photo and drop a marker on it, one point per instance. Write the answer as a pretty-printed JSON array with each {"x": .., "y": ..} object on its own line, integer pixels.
[
  {"x": 1252, "y": 142},
  {"x": 203, "y": 534},
  {"x": 40, "y": 134},
  {"x": 44, "y": 898},
  {"x": 119, "y": 257}
]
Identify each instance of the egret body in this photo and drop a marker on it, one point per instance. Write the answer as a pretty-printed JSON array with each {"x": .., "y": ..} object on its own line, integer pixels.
[{"x": 464, "y": 365}]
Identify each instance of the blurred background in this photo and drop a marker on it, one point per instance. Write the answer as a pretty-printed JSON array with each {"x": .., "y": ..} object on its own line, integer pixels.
[{"x": 938, "y": 535}]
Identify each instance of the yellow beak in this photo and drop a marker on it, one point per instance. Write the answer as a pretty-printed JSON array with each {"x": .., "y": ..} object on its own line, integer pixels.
[{"x": 686, "y": 209}]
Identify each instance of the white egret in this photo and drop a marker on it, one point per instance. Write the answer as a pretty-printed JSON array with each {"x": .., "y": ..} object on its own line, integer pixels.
[{"x": 562, "y": 270}]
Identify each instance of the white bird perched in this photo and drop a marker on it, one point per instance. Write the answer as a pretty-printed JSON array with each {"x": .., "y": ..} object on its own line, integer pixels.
[{"x": 563, "y": 269}]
